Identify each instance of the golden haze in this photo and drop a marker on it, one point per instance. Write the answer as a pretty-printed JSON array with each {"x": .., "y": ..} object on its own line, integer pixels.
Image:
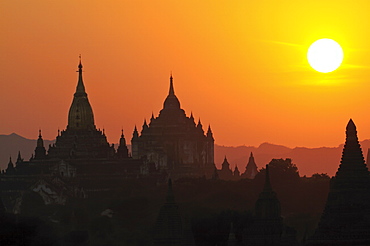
[{"x": 239, "y": 65}]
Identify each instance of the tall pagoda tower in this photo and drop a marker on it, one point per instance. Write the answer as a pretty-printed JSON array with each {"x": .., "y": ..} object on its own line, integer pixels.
[
  {"x": 168, "y": 229},
  {"x": 174, "y": 143},
  {"x": 268, "y": 228},
  {"x": 346, "y": 217},
  {"x": 81, "y": 139}
]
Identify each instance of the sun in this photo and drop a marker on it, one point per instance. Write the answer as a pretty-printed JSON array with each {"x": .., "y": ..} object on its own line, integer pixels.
[{"x": 325, "y": 55}]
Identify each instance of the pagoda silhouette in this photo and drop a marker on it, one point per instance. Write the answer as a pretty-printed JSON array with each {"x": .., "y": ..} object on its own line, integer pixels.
[
  {"x": 169, "y": 228},
  {"x": 268, "y": 228},
  {"x": 81, "y": 139},
  {"x": 346, "y": 217},
  {"x": 251, "y": 168}
]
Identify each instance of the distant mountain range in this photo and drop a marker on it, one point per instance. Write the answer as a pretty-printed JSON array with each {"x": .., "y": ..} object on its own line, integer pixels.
[{"x": 308, "y": 160}]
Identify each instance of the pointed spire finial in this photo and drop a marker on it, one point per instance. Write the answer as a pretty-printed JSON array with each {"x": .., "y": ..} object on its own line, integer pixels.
[
  {"x": 80, "y": 89},
  {"x": 152, "y": 118},
  {"x": 80, "y": 64},
  {"x": 40, "y": 133},
  {"x": 172, "y": 90},
  {"x": 135, "y": 134},
  {"x": 351, "y": 132},
  {"x": 209, "y": 132},
  {"x": 351, "y": 126},
  {"x": 122, "y": 144},
  {"x": 199, "y": 125}
]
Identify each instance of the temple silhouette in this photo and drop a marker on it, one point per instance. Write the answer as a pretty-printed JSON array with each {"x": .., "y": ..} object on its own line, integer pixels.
[
  {"x": 82, "y": 165},
  {"x": 268, "y": 227},
  {"x": 81, "y": 161},
  {"x": 226, "y": 173},
  {"x": 173, "y": 143},
  {"x": 170, "y": 143},
  {"x": 346, "y": 217}
]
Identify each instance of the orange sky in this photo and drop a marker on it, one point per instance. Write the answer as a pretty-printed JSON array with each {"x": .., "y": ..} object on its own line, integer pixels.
[{"x": 239, "y": 65}]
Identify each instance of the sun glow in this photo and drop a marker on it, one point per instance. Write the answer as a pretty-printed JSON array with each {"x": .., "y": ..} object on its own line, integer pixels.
[{"x": 325, "y": 55}]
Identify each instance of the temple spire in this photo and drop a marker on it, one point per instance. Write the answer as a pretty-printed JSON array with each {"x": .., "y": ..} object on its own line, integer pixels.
[
  {"x": 168, "y": 228},
  {"x": 199, "y": 123},
  {"x": 122, "y": 150},
  {"x": 209, "y": 132},
  {"x": 351, "y": 132},
  {"x": 80, "y": 116},
  {"x": 10, "y": 169},
  {"x": 145, "y": 125},
  {"x": 251, "y": 168},
  {"x": 80, "y": 89},
  {"x": 19, "y": 158},
  {"x": 171, "y": 102},
  {"x": 122, "y": 141},
  {"x": 135, "y": 134},
  {"x": 353, "y": 162},
  {"x": 40, "y": 141},
  {"x": 40, "y": 151},
  {"x": 225, "y": 164},
  {"x": 267, "y": 205},
  {"x": 171, "y": 90},
  {"x": 347, "y": 206}
]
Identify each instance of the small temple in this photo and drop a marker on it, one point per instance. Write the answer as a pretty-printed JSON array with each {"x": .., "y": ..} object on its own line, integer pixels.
[{"x": 251, "y": 168}]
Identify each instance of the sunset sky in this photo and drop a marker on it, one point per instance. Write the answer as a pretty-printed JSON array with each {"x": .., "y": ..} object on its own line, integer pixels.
[{"x": 238, "y": 65}]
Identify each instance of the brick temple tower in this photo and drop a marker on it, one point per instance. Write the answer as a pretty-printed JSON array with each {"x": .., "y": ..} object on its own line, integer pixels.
[{"x": 346, "y": 217}]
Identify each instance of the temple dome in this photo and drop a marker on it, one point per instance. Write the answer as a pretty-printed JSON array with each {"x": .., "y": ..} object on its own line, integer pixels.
[{"x": 80, "y": 115}]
